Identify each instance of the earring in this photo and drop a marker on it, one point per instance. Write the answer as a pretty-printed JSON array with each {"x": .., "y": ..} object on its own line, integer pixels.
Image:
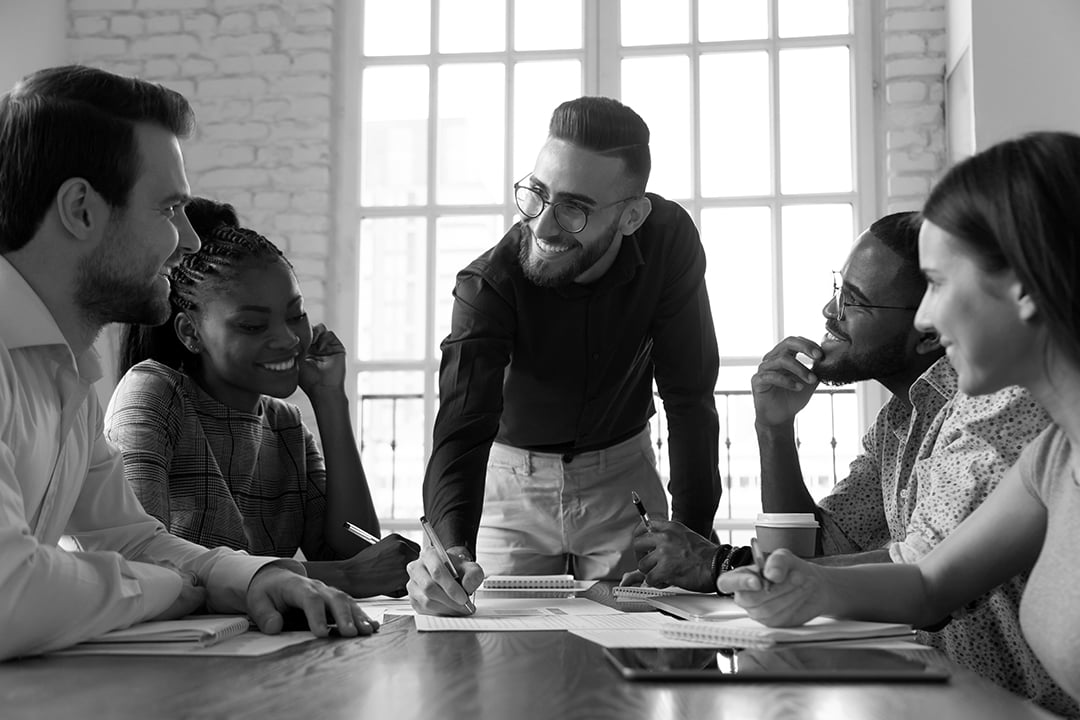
[{"x": 193, "y": 347}]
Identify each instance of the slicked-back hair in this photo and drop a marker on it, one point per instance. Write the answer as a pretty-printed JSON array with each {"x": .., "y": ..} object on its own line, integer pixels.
[
  {"x": 606, "y": 126},
  {"x": 900, "y": 233},
  {"x": 227, "y": 250},
  {"x": 1017, "y": 205},
  {"x": 75, "y": 122}
]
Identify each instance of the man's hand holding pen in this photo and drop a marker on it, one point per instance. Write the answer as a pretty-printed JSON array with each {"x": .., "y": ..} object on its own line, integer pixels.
[{"x": 441, "y": 581}]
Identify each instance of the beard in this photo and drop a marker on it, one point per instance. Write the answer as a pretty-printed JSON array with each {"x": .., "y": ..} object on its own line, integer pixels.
[
  {"x": 561, "y": 272},
  {"x": 106, "y": 295},
  {"x": 851, "y": 365}
]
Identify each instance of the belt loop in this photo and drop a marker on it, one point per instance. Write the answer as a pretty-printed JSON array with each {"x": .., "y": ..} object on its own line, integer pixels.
[{"x": 528, "y": 462}]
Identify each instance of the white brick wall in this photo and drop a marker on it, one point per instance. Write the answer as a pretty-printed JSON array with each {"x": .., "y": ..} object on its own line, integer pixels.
[
  {"x": 259, "y": 75},
  {"x": 912, "y": 121}
]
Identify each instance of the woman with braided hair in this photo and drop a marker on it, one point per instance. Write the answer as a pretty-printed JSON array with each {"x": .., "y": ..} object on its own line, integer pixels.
[{"x": 209, "y": 444}]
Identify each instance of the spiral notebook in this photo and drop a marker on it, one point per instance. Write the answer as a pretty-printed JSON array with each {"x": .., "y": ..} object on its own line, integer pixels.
[
  {"x": 631, "y": 598},
  {"x": 197, "y": 630},
  {"x": 749, "y": 633},
  {"x": 536, "y": 586}
]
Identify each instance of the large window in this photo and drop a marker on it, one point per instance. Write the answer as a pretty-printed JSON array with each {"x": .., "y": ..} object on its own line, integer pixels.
[{"x": 755, "y": 108}]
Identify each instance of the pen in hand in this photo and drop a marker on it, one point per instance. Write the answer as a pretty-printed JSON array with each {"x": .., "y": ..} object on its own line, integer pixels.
[
  {"x": 641, "y": 510},
  {"x": 433, "y": 539},
  {"x": 361, "y": 533},
  {"x": 759, "y": 561}
]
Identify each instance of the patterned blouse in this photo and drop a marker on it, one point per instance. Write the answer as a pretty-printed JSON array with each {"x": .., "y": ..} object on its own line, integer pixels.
[
  {"x": 217, "y": 476},
  {"x": 924, "y": 468}
]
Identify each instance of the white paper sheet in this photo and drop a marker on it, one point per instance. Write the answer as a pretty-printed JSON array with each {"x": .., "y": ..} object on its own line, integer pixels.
[{"x": 542, "y": 620}]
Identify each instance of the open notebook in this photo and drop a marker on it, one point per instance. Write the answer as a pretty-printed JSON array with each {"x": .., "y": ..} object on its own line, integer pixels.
[{"x": 747, "y": 632}]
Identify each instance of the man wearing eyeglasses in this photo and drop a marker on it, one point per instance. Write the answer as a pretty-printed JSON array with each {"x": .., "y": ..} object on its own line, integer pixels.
[
  {"x": 931, "y": 457},
  {"x": 546, "y": 386}
]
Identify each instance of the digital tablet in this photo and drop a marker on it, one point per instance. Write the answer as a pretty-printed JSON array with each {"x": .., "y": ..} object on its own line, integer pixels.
[{"x": 791, "y": 663}]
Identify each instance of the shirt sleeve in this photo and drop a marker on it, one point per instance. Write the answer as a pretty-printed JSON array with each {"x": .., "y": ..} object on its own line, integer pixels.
[
  {"x": 852, "y": 516},
  {"x": 50, "y": 598},
  {"x": 686, "y": 361},
  {"x": 313, "y": 542},
  {"x": 979, "y": 440},
  {"x": 145, "y": 422},
  {"x": 474, "y": 358}
]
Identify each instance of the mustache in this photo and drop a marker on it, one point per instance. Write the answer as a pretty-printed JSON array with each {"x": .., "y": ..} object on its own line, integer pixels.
[{"x": 831, "y": 327}]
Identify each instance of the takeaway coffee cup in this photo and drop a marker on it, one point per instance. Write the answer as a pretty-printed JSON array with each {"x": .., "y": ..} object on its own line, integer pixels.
[{"x": 795, "y": 531}]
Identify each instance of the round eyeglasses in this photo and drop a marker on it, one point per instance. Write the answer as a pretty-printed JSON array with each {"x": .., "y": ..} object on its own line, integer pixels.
[
  {"x": 570, "y": 217},
  {"x": 843, "y": 302}
]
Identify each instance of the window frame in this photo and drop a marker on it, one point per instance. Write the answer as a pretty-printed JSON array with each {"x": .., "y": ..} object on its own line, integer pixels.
[{"x": 601, "y": 57}]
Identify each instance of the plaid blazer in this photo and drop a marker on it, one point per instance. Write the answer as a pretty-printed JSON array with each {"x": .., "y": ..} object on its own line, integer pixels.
[{"x": 217, "y": 476}]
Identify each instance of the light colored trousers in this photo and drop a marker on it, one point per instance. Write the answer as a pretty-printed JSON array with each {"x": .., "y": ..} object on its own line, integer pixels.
[{"x": 546, "y": 513}]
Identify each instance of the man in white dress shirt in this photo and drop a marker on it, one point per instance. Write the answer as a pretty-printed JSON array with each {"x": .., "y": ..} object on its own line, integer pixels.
[{"x": 92, "y": 194}]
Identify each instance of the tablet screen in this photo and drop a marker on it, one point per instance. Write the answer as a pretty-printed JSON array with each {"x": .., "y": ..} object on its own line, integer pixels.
[{"x": 780, "y": 663}]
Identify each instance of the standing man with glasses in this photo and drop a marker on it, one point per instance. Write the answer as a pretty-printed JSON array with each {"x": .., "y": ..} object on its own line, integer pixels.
[
  {"x": 546, "y": 385},
  {"x": 931, "y": 457}
]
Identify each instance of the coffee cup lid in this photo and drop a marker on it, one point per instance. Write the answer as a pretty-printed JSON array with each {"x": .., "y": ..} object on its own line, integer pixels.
[{"x": 787, "y": 519}]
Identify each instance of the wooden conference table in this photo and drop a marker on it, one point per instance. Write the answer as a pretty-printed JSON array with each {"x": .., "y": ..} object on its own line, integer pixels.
[{"x": 400, "y": 673}]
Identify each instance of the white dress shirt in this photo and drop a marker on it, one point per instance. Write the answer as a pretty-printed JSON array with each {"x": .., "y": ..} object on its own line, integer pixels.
[{"x": 59, "y": 476}]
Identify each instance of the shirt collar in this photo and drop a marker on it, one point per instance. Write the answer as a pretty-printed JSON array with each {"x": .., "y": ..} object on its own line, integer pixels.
[
  {"x": 622, "y": 270},
  {"x": 938, "y": 384},
  {"x": 25, "y": 322}
]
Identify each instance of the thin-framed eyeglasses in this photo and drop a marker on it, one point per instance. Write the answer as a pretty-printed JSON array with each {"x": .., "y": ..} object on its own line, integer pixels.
[
  {"x": 843, "y": 302},
  {"x": 570, "y": 217}
]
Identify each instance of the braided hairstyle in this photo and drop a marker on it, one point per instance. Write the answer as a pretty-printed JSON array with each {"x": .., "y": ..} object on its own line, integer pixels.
[{"x": 227, "y": 250}]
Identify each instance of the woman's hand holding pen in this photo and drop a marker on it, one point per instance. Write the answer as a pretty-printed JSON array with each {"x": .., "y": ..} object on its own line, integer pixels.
[
  {"x": 433, "y": 590},
  {"x": 797, "y": 590}
]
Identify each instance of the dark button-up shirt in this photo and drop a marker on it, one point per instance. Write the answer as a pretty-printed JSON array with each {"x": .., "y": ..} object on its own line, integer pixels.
[{"x": 571, "y": 369}]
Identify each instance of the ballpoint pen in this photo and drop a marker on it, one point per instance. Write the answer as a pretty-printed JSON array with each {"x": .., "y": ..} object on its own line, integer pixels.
[
  {"x": 641, "y": 510},
  {"x": 361, "y": 533},
  {"x": 759, "y": 561},
  {"x": 433, "y": 539}
]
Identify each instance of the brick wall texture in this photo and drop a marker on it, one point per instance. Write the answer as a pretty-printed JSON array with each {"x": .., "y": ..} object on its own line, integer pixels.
[
  {"x": 912, "y": 47},
  {"x": 259, "y": 75}
]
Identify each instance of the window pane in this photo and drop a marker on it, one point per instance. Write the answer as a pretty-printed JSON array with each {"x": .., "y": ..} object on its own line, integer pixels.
[
  {"x": 740, "y": 462},
  {"x": 658, "y": 89},
  {"x": 393, "y": 135},
  {"x": 737, "y": 377},
  {"x": 470, "y": 135},
  {"x": 816, "y": 242},
  {"x": 539, "y": 87},
  {"x": 735, "y": 146},
  {"x": 472, "y": 25},
  {"x": 397, "y": 27},
  {"x": 548, "y": 25},
  {"x": 800, "y": 18},
  {"x": 815, "y": 120},
  {"x": 391, "y": 430},
  {"x": 459, "y": 240},
  {"x": 738, "y": 245},
  {"x": 732, "y": 20},
  {"x": 391, "y": 292},
  {"x": 827, "y": 417},
  {"x": 644, "y": 24}
]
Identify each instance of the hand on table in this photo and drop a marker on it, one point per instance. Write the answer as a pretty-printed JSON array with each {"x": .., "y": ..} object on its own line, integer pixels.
[
  {"x": 275, "y": 589},
  {"x": 799, "y": 590},
  {"x": 379, "y": 569}
]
